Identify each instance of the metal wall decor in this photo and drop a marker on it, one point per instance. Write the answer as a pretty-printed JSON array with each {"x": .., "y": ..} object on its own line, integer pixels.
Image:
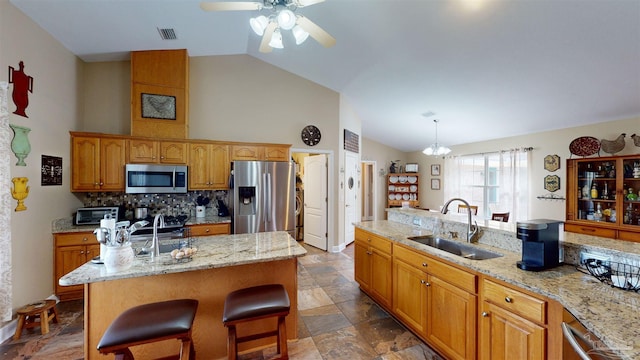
[
  {"x": 20, "y": 144},
  {"x": 20, "y": 191},
  {"x": 51, "y": 170},
  {"x": 552, "y": 183},
  {"x": 552, "y": 162},
  {"x": 351, "y": 141},
  {"x": 22, "y": 86}
]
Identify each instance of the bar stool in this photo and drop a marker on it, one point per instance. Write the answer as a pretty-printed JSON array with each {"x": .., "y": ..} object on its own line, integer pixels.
[
  {"x": 256, "y": 303},
  {"x": 149, "y": 323},
  {"x": 44, "y": 310}
]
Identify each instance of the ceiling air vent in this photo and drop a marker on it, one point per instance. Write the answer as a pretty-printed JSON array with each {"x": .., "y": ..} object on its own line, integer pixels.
[{"x": 167, "y": 34}]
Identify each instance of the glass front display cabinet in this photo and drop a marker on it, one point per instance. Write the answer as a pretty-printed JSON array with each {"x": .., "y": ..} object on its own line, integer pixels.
[{"x": 603, "y": 197}]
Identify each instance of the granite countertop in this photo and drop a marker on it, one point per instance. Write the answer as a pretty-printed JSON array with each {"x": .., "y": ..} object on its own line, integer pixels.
[
  {"x": 612, "y": 314},
  {"x": 226, "y": 250},
  {"x": 65, "y": 225}
]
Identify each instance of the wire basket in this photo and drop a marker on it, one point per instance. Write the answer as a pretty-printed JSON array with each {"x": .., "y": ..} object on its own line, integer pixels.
[{"x": 620, "y": 275}]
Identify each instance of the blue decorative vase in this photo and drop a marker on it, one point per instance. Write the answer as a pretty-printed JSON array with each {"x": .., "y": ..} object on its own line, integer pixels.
[{"x": 20, "y": 143}]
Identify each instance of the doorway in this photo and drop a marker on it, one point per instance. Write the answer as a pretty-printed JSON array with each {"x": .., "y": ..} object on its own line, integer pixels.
[
  {"x": 312, "y": 191},
  {"x": 368, "y": 195},
  {"x": 351, "y": 193}
]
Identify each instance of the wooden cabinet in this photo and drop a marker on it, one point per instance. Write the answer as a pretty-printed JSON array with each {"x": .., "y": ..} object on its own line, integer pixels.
[
  {"x": 602, "y": 197},
  {"x": 512, "y": 324},
  {"x": 208, "y": 166},
  {"x": 160, "y": 93},
  {"x": 210, "y": 229},
  {"x": 260, "y": 152},
  {"x": 443, "y": 312},
  {"x": 403, "y": 187},
  {"x": 149, "y": 151},
  {"x": 97, "y": 163},
  {"x": 373, "y": 266},
  {"x": 70, "y": 251}
]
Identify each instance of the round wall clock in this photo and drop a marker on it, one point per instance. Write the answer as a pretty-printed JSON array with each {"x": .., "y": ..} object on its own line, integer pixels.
[{"x": 310, "y": 135}]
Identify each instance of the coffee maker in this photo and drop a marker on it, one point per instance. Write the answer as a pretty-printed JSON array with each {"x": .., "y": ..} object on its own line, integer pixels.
[{"x": 540, "y": 243}]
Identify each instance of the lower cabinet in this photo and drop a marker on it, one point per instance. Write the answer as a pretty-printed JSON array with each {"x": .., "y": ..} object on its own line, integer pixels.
[
  {"x": 373, "y": 266},
  {"x": 210, "y": 229},
  {"x": 513, "y": 323},
  {"x": 437, "y": 310},
  {"x": 71, "y": 251}
]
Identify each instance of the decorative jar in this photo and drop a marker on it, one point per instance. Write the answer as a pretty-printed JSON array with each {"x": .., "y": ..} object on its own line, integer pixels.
[{"x": 118, "y": 258}]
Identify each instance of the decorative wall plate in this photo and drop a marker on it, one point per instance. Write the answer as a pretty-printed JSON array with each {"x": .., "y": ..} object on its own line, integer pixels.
[
  {"x": 552, "y": 183},
  {"x": 552, "y": 162},
  {"x": 585, "y": 146}
]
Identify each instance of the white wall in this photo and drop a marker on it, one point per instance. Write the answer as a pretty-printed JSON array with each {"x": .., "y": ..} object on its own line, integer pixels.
[
  {"x": 53, "y": 110},
  {"x": 543, "y": 143}
]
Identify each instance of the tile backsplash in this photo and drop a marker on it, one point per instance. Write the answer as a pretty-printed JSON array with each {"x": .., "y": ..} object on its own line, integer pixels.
[{"x": 169, "y": 204}]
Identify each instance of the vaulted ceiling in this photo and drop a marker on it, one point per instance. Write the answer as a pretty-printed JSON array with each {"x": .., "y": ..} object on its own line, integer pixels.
[{"x": 486, "y": 69}]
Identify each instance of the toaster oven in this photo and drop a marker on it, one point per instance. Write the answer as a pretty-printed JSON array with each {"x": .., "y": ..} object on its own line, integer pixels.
[{"x": 93, "y": 215}]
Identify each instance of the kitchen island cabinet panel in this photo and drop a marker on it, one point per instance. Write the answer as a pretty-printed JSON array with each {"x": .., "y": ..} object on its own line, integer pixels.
[
  {"x": 210, "y": 229},
  {"x": 71, "y": 250},
  {"x": 373, "y": 269}
]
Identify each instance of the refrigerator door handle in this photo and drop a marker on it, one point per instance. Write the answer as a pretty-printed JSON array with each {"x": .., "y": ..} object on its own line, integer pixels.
[{"x": 267, "y": 199}]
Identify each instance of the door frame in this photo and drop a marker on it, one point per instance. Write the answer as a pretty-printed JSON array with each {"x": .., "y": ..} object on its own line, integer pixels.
[
  {"x": 331, "y": 198},
  {"x": 373, "y": 199}
]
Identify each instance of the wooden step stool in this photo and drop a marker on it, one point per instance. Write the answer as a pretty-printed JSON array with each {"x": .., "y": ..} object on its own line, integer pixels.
[{"x": 28, "y": 315}]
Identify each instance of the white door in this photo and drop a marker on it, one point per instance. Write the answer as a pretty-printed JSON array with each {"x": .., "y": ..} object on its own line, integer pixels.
[
  {"x": 351, "y": 191},
  {"x": 315, "y": 201}
]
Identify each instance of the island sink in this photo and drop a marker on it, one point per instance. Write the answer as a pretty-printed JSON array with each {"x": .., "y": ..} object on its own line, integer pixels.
[{"x": 463, "y": 250}]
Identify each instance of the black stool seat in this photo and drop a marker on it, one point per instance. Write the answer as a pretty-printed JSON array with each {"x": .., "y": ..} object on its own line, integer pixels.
[
  {"x": 148, "y": 323},
  {"x": 256, "y": 303}
]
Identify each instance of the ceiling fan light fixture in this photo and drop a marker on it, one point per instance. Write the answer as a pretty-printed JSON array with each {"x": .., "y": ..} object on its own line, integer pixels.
[
  {"x": 436, "y": 149},
  {"x": 276, "y": 40},
  {"x": 299, "y": 34},
  {"x": 258, "y": 24},
  {"x": 286, "y": 19}
]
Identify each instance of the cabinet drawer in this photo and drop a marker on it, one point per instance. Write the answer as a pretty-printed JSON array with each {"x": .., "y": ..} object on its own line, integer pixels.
[
  {"x": 452, "y": 275},
  {"x": 378, "y": 242},
  {"x": 589, "y": 230},
  {"x": 79, "y": 238},
  {"x": 515, "y": 301},
  {"x": 210, "y": 229},
  {"x": 629, "y": 235}
]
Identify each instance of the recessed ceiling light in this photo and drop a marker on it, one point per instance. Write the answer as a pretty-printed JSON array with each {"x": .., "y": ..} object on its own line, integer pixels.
[{"x": 428, "y": 114}]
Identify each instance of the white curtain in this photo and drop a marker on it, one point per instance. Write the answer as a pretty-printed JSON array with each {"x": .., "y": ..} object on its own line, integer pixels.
[
  {"x": 496, "y": 182},
  {"x": 5, "y": 207}
]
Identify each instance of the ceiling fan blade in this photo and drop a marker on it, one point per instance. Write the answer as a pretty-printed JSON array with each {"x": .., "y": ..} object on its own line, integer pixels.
[
  {"x": 266, "y": 38},
  {"x": 303, "y": 3},
  {"x": 229, "y": 6},
  {"x": 316, "y": 32}
]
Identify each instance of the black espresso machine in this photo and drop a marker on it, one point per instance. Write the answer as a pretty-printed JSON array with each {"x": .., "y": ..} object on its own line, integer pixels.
[{"x": 540, "y": 243}]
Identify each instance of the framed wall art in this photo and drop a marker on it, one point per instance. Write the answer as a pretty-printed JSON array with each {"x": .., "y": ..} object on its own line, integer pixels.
[
  {"x": 435, "y": 170},
  {"x": 51, "y": 170},
  {"x": 435, "y": 184},
  {"x": 158, "y": 106}
]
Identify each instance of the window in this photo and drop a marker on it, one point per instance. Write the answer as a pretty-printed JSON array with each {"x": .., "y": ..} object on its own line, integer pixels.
[{"x": 495, "y": 182}]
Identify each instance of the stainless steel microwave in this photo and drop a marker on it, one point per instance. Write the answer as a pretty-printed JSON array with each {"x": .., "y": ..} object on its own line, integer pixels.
[{"x": 155, "y": 179}]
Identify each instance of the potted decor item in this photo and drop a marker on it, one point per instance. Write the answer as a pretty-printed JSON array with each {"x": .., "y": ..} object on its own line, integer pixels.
[{"x": 201, "y": 203}]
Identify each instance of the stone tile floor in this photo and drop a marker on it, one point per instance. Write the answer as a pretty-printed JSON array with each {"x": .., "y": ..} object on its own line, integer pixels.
[{"x": 337, "y": 321}]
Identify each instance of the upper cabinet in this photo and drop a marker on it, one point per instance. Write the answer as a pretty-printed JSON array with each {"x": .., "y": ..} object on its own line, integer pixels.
[
  {"x": 148, "y": 151},
  {"x": 97, "y": 163},
  {"x": 208, "y": 166},
  {"x": 260, "y": 152},
  {"x": 160, "y": 94},
  {"x": 602, "y": 197}
]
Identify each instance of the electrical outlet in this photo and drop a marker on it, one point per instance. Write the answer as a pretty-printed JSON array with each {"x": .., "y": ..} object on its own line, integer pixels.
[
  {"x": 417, "y": 221},
  {"x": 590, "y": 255}
]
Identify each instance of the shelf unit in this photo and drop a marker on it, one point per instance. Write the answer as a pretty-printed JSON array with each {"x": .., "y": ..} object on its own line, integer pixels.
[
  {"x": 605, "y": 183},
  {"x": 403, "y": 187}
]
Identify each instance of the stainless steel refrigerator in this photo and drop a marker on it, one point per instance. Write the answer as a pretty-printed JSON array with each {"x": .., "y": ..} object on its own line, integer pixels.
[{"x": 263, "y": 197}]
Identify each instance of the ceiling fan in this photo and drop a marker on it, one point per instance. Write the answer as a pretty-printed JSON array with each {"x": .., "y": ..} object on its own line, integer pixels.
[{"x": 282, "y": 17}]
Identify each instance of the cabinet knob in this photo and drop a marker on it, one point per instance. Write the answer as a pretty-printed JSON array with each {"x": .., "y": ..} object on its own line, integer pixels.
[
  {"x": 422, "y": 281},
  {"x": 84, "y": 239},
  {"x": 427, "y": 284},
  {"x": 424, "y": 264},
  {"x": 81, "y": 251},
  {"x": 101, "y": 183},
  {"x": 207, "y": 230},
  {"x": 369, "y": 252},
  {"x": 485, "y": 314},
  {"x": 508, "y": 299}
]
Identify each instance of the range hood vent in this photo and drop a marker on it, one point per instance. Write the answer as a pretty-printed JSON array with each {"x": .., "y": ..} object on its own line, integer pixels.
[{"x": 167, "y": 34}]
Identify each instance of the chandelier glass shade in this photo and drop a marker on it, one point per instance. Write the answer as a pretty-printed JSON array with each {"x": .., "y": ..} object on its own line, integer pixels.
[
  {"x": 284, "y": 19},
  {"x": 436, "y": 149}
]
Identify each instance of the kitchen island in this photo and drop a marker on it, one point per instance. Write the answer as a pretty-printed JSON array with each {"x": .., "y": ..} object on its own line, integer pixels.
[{"x": 222, "y": 264}]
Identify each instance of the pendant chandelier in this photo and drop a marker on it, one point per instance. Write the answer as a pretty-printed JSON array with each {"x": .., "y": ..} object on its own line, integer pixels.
[{"x": 436, "y": 149}]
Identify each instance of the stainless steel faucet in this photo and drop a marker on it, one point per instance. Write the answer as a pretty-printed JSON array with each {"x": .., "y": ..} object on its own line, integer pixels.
[
  {"x": 472, "y": 230},
  {"x": 159, "y": 218}
]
